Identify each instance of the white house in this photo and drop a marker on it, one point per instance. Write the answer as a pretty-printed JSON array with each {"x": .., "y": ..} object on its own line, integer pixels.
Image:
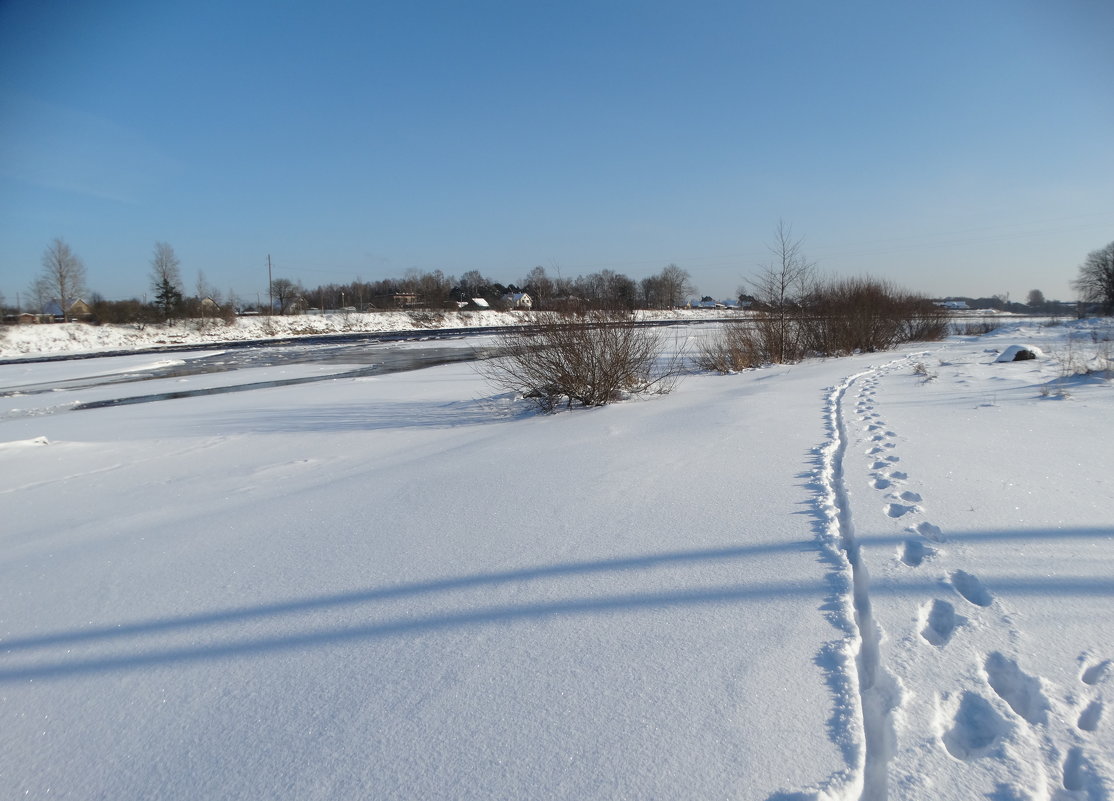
[{"x": 517, "y": 300}]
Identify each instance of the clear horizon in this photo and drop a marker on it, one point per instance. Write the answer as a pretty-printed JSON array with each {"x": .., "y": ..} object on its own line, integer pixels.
[{"x": 952, "y": 149}]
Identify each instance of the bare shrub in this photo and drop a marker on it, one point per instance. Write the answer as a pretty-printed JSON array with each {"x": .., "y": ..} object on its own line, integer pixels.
[
  {"x": 865, "y": 315},
  {"x": 977, "y": 328},
  {"x": 590, "y": 359},
  {"x": 924, "y": 321},
  {"x": 734, "y": 346},
  {"x": 921, "y": 369}
]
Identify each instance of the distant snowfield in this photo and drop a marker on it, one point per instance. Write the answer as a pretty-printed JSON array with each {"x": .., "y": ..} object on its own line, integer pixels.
[
  {"x": 889, "y": 576},
  {"x": 25, "y": 341}
]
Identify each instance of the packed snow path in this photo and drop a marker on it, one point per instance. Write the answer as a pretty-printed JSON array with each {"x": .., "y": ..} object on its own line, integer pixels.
[{"x": 867, "y": 578}]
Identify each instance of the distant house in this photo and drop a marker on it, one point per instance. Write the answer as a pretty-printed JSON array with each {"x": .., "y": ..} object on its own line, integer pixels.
[
  {"x": 954, "y": 305},
  {"x": 78, "y": 310},
  {"x": 396, "y": 300},
  {"x": 517, "y": 300},
  {"x": 209, "y": 306},
  {"x": 480, "y": 303}
]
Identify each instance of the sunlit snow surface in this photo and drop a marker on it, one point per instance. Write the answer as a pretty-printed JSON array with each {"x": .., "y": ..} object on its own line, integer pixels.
[{"x": 408, "y": 586}]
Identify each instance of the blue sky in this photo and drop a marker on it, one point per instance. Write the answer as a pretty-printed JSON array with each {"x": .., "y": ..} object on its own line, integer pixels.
[{"x": 951, "y": 147}]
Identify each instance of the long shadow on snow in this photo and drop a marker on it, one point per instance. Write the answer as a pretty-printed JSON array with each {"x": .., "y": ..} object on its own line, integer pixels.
[{"x": 751, "y": 592}]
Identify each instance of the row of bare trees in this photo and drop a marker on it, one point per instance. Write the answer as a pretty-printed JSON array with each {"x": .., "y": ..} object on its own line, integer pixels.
[
  {"x": 62, "y": 282},
  {"x": 603, "y": 290}
]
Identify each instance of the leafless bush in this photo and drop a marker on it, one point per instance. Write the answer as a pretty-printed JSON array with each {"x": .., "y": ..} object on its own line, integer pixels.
[
  {"x": 924, "y": 322},
  {"x": 590, "y": 359},
  {"x": 976, "y": 328},
  {"x": 835, "y": 318},
  {"x": 865, "y": 314},
  {"x": 926, "y": 375},
  {"x": 734, "y": 346}
]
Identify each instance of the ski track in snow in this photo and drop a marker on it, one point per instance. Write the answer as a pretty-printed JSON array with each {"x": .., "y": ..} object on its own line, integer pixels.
[
  {"x": 877, "y": 691},
  {"x": 977, "y": 725}
]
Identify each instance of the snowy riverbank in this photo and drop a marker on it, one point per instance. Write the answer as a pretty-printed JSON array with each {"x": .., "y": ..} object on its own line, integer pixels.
[
  {"x": 28, "y": 341},
  {"x": 885, "y": 577}
]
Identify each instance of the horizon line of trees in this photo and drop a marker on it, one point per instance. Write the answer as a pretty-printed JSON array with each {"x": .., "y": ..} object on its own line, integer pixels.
[
  {"x": 418, "y": 289},
  {"x": 62, "y": 281}
]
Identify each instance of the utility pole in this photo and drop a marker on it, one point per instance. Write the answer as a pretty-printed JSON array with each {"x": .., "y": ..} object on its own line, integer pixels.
[{"x": 270, "y": 298}]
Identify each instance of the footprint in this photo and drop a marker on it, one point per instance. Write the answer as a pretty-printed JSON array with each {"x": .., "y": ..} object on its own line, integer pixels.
[
  {"x": 914, "y": 552},
  {"x": 1095, "y": 673},
  {"x": 893, "y": 458},
  {"x": 898, "y": 475},
  {"x": 940, "y": 623},
  {"x": 929, "y": 531},
  {"x": 1089, "y": 719},
  {"x": 881, "y": 483},
  {"x": 911, "y": 497},
  {"x": 971, "y": 588},
  {"x": 976, "y": 728},
  {"x": 1017, "y": 688},
  {"x": 879, "y": 465},
  {"x": 1075, "y": 770},
  {"x": 899, "y": 509}
]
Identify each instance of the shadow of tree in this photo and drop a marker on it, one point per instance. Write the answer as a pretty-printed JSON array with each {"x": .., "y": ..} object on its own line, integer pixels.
[{"x": 57, "y": 660}]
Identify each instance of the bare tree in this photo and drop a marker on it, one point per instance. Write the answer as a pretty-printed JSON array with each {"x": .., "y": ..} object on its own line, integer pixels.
[
  {"x": 1035, "y": 299},
  {"x": 433, "y": 289},
  {"x": 206, "y": 290},
  {"x": 786, "y": 279},
  {"x": 1095, "y": 283},
  {"x": 650, "y": 292},
  {"x": 286, "y": 293},
  {"x": 63, "y": 276},
  {"x": 166, "y": 280},
  {"x": 780, "y": 289},
  {"x": 539, "y": 286},
  {"x": 675, "y": 285}
]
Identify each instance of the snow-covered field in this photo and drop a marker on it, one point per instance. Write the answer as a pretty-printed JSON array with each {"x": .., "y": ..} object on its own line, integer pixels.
[
  {"x": 889, "y": 576},
  {"x": 25, "y": 341}
]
